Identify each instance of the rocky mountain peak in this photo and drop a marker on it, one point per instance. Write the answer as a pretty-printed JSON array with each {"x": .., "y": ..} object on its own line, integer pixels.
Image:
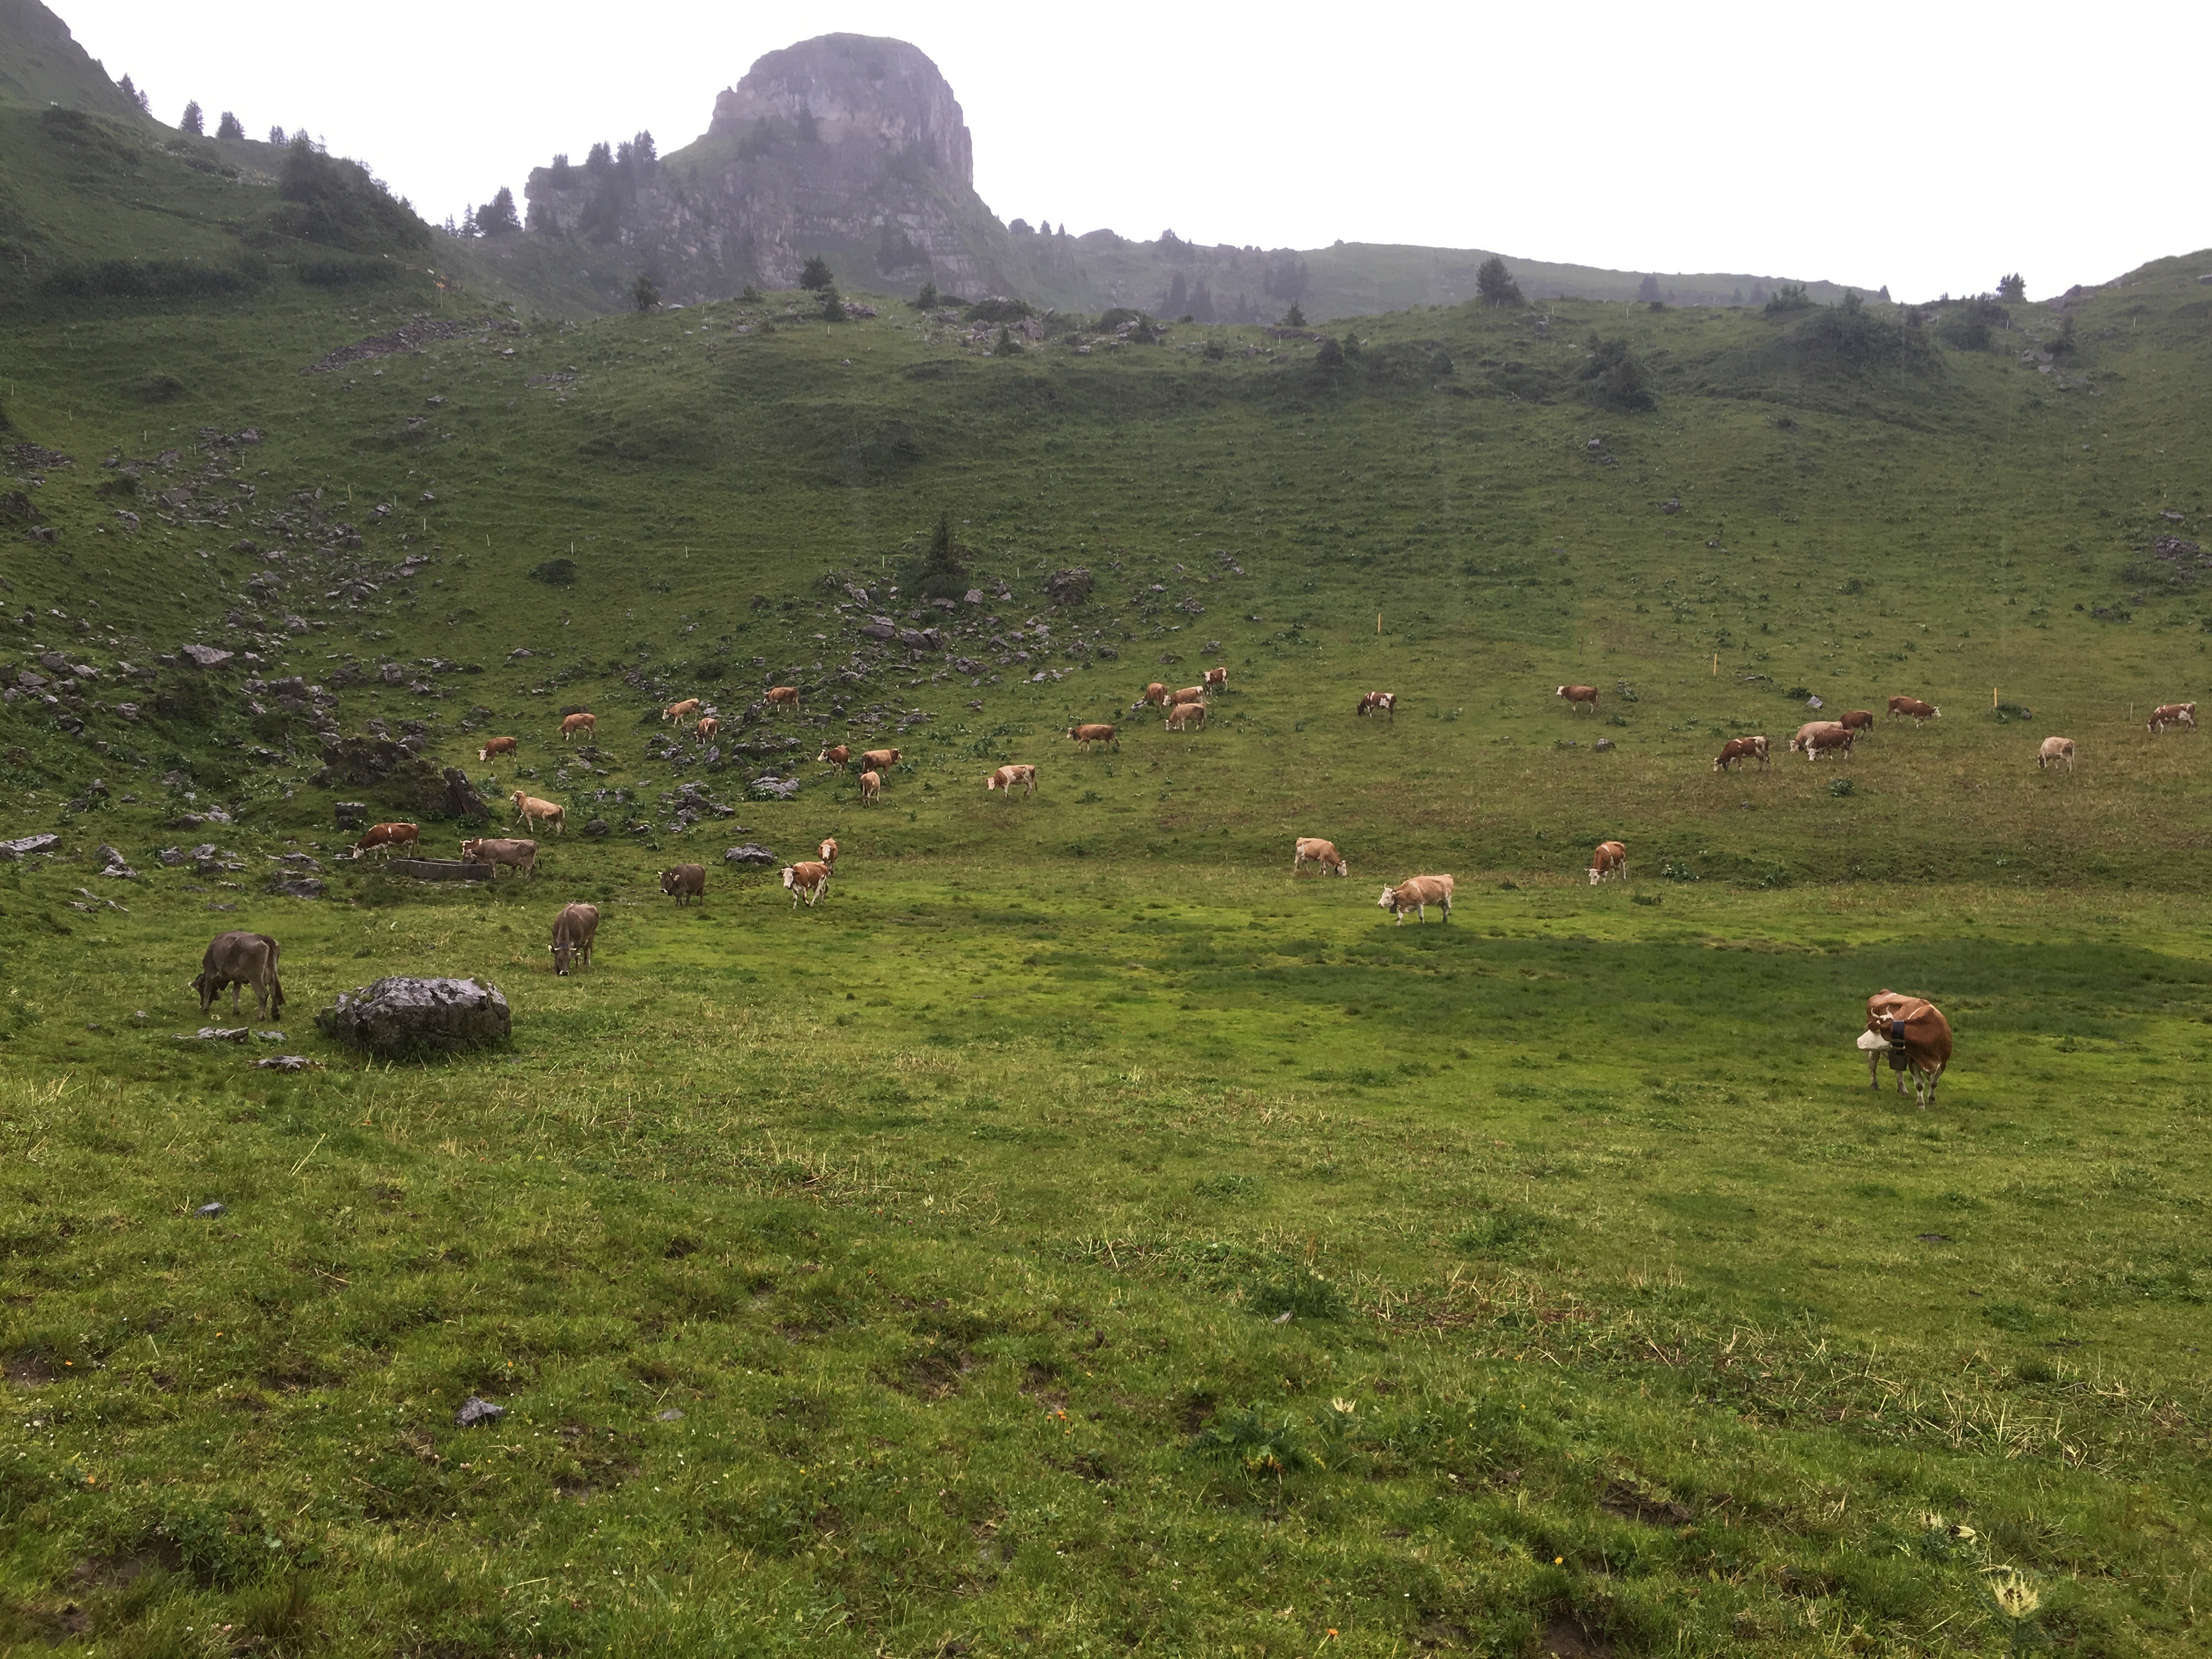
[{"x": 853, "y": 89}]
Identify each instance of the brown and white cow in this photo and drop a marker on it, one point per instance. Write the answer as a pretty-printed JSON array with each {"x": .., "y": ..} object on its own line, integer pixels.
[
  {"x": 1817, "y": 738},
  {"x": 573, "y": 930},
  {"x": 387, "y": 837},
  {"x": 1217, "y": 679},
  {"x": 809, "y": 881},
  {"x": 2172, "y": 714},
  {"x": 709, "y": 727},
  {"x": 1186, "y": 694},
  {"x": 1577, "y": 695},
  {"x": 872, "y": 785},
  {"x": 1186, "y": 716},
  {"x": 1417, "y": 893},
  {"x": 1087, "y": 735},
  {"x": 1156, "y": 695},
  {"x": 1858, "y": 720},
  {"x": 241, "y": 959},
  {"x": 1323, "y": 853},
  {"x": 830, "y": 852},
  {"x": 571, "y": 724},
  {"x": 496, "y": 746},
  {"x": 2054, "y": 750},
  {"x": 685, "y": 881},
  {"x": 880, "y": 761},
  {"x": 683, "y": 710},
  {"x": 520, "y": 855},
  {"x": 1608, "y": 857},
  {"x": 1736, "y": 748},
  {"x": 1006, "y": 777},
  {"x": 529, "y": 808},
  {"x": 1917, "y": 1038},
  {"x": 1921, "y": 712},
  {"x": 783, "y": 696},
  {"x": 837, "y": 755},
  {"x": 1378, "y": 702}
]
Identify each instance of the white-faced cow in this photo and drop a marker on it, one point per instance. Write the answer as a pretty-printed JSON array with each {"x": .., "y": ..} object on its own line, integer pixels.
[
  {"x": 2172, "y": 714},
  {"x": 1417, "y": 893},
  {"x": 1578, "y": 695},
  {"x": 808, "y": 880},
  {"x": 1737, "y": 749},
  {"x": 1378, "y": 702},
  {"x": 386, "y": 836},
  {"x": 1186, "y": 717},
  {"x": 709, "y": 726},
  {"x": 496, "y": 746},
  {"x": 1917, "y": 1037},
  {"x": 1313, "y": 849},
  {"x": 1921, "y": 713},
  {"x": 1217, "y": 679},
  {"x": 2054, "y": 750},
  {"x": 1008, "y": 778},
  {"x": 241, "y": 959},
  {"x": 1608, "y": 857},
  {"x": 830, "y": 852},
  {"x": 1817, "y": 738},
  {"x": 573, "y": 930},
  {"x": 837, "y": 756}
]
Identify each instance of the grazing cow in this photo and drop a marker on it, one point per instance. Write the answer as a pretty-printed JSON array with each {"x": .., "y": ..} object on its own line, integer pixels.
[
  {"x": 1736, "y": 748},
  {"x": 527, "y": 807},
  {"x": 496, "y": 746},
  {"x": 837, "y": 756},
  {"x": 2054, "y": 750},
  {"x": 1417, "y": 894},
  {"x": 387, "y": 837},
  {"x": 1858, "y": 720},
  {"x": 2172, "y": 714},
  {"x": 1917, "y": 1038},
  {"x": 516, "y": 854},
  {"x": 241, "y": 959},
  {"x": 573, "y": 930},
  {"x": 1217, "y": 679},
  {"x": 1608, "y": 857},
  {"x": 708, "y": 727},
  {"x": 830, "y": 852},
  {"x": 809, "y": 881},
  {"x": 1817, "y": 738},
  {"x": 685, "y": 881},
  {"x": 1385, "y": 702},
  {"x": 683, "y": 710},
  {"x": 1087, "y": 735},
  {"x": 1189, "y": 694},
  {"x": 872, "y": 785},
  {"x": 1155, "y": 695},
  {"x": 1323, "y": 853},
  {"x": 1007, "y": 776},
  {"x": 587, "y": 724},
  {"x": 880, "y": 761},
  {"x": 1576, "y": 694},
  {"x": 1183, "y": 716},
  {"x": 783, "y": 696},
  {"x": 1921, "y": 712}
]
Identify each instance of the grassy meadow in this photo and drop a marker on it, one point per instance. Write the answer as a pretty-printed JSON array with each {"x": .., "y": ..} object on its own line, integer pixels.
[{"x": 1077, "y": 1235}]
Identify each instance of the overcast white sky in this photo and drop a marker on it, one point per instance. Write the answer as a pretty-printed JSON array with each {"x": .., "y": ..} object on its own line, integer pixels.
[{"x": 1929, "y": 146}]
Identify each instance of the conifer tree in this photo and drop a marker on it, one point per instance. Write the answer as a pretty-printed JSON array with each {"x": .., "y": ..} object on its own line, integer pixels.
[
  {"x": 193, "y": 121},
  {"x": 230, "y": 127}
]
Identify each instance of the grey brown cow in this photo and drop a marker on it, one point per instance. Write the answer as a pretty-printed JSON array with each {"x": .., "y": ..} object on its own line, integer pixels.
[
  {"x": 238, "y": 960},
  {"x": 573, "y": 930},
  {"x": 515, "y": 855},
  {"x": 685, "y": 881}
]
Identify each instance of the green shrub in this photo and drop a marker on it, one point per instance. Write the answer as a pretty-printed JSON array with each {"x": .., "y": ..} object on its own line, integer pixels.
[
  {"x": 326, "y": 199},
  {"x": 555, "y": 573},
  {"x": 1614, "y": 377},
  {"x": 145, "y": 279}
]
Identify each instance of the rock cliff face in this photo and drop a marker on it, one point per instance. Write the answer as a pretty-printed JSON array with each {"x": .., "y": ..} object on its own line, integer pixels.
[{"x": 846, "y": 146}]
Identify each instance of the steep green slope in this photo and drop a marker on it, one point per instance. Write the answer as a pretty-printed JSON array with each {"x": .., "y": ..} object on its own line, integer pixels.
[{"x": 41, "y": 64}]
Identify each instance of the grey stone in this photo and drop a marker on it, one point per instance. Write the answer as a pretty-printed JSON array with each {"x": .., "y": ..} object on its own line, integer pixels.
[
  {"x": 219, "y": 1034},
  {"x": 302, "y": 887},
  {"x": 114, "y": 863},
  {"x": 671, "y": 1415},
  {"x": 205, "y": 656},
  {"x": 399, "y": 1014},
  {"x": 288, "y": 1063},
  {"x": 772, "y": 788},
  {"x": 749, "y": 853},
  {"x": 474, "y": 1410},
  {"x": 351, "y": 814},
  {"x": 26, "y": 845},
  {"x": 209, "y": 1212}
]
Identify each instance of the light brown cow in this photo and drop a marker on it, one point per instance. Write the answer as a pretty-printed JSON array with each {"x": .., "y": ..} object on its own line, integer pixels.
[
  {"x": 838, "y": 757},
  {"x": 1007, "y": 776},
  {"x": 241, "y": 959},
  {"x": 783, "y": 696},
  {"x": 1576, "y": 694},
  {"x": 872, "y": 785},
  {"x": 1155, "y": 694},
  {"x": 1918, "y": 1040},
  {"x": 880, "y": 761},
  {"x": 1384, "y": 703},
  {"x": 587, "y": 724},
  {"x": 1817, "y": 738},
  {"x": 683, "y": 710},
  {"x": 685, "y": 881},
  {"x": 515, "y": 855},
  {"x": 1417, "y": 893},
  {"x": 1087, "y": 735},
  {"x": 1921, "y": 712},
  {"x": 709, "y": 727},
  {"x": 1184, "y": 716},
  {"x": 496, "y": 746},
  {"x": 1187, "y": 694},
  {"x": 387, "y": 837},
  {"x": 1736, "y": 748},
  {"x": 2172, "y": 714},
  {"x": 1323, "y": 853},
  {"x": 809, "y": 881},
  {"x": 529, "y": 807},
  {"x": 830, "y": 852},
  {"x": 573, "y": 930},
  {"x": 2054, "y": 750},
  {"x": 1858, "y": 720},
  {"x": 1217, "y": 679},
  {"x": 1608, "y": 857}
]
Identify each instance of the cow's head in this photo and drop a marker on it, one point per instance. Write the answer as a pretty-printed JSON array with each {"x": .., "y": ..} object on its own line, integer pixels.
[
  {"x": 1389, "y": 899},
  {"x": 790, "y": 877},
  {"x": 564, "y": 954}
]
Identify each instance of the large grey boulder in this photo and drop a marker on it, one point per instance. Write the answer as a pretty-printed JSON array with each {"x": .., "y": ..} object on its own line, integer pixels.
[{"x": 400, "y": 1015}]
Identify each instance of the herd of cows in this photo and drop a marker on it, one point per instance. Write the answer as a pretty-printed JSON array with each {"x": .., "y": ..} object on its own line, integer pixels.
[{"x": 1911, "y": 1030}]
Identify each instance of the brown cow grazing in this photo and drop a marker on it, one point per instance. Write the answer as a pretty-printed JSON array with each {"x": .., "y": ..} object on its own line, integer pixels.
[
  {"x": 1417, "y": 893},
  {"x": 872, "y": 785},
  {"x": 241, "y": 959},
  {"x": 1608, "y": 857},
  {"x": 1007, "y": 776},
  {"x": 2172, "y": 714},
  {"x": 809, "y": 881},
  {"x": 1921, "y": 713},
  {"x": 587, "y": 724},
  {"x": 387, "y": 837},
  {"x": 496, "y": 746},
  {"x": 837, "y": 756},
  {"x": 1736, "y": 748},
  {"x": 707, "y": 727},
  {"x": 1184, "y": 716},
  {"x": 1323, "y": 853},
  {"x": 683, "y": 710},
  {"x": 1155, "y": 694},
  {"x": 830, "y": 852},
  {"x": 1576, "y": 694},
  {"x": 1818, "y": 737},
  {"x": 880, "y": 761},
  {"x": 1858, "y": 720},
  {"x": 1187, "y": 694},
  {"x": 1217, "y": 679},
  {"x": 529, "y": 807},
  {"x": 515, "y": 855},
  {"x": 573, "y": 930},
  {"x": 2054, "y": 750},
  {"x": 1383, "y": 703},
  {"x": 1087, "y": 735},
  {"x": 685, "y": 881},
  {"x": 783, "y": 696},
  {"x": 1918, "y": 1039}
]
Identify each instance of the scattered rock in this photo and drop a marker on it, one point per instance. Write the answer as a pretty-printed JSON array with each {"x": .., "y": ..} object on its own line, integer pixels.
[
  {"x": 114, "y": 865},
  {"x": 771, "y": 787},
  {"x": 671, "y": 1415},
  {"x": 210, "y": 1211},
  {"x": 399, "y": 1014},
  {"x": 1069, "y": 586},
  {"x": 461, "y": 800},
  {"x": 596, "y": 827},
  {"x": 303, "y": 887},
  {"x": 171, "y": 856},
  {"x": 475, "y": 1409},
  {"x": 205, "y": 656},
  {"x": 351, "y": 814},
  {"x": 1671, "y": 505},
  {"x": 23, "y": 847},
  {"x": 1602, "y": 744},
  {"x": 219, "y": 1034},
  {"x": 288, "y": 1063},
  {"x": 749, "y": 853}
]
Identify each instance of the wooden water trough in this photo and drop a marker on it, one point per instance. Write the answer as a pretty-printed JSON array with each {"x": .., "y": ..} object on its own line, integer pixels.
[{"x": 441, "y": 869}]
